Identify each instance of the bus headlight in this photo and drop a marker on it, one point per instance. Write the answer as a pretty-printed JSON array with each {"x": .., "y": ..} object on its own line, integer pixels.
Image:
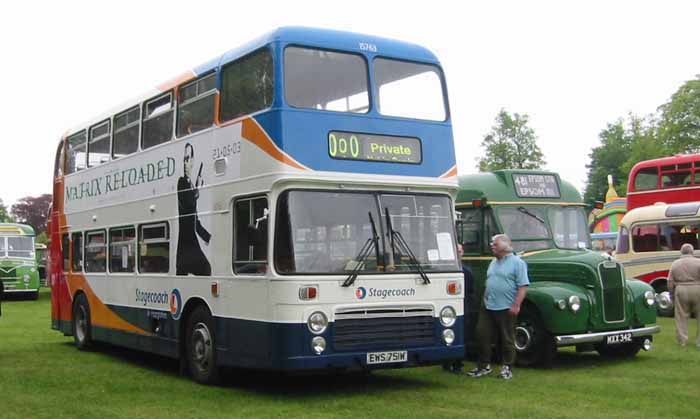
[
  {"x": 448, "y": 336},
  {"x": 561, "y": 304},
  {"x": 26, "y": 277},
  {"x": 317, "y": 322},
  {"x": 318, "y": 344},
  {"x": 448, "y": 316},
  {"x": 574, "y": 303},
  {"x": 649, "y": 298}
]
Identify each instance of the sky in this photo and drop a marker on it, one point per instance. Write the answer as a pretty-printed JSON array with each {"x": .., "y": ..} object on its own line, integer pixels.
[{"x": 572, "y": 66}]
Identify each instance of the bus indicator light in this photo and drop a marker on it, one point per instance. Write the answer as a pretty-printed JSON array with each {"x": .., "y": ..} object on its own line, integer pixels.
[
  {"x": 453, "y": 288},
  {"x": 307, "y": 293}
]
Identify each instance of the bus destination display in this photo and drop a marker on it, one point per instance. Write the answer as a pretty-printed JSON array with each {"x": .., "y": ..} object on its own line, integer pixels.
[
  {"x": 536, "y": 186},
  {"x": 368, "y": 147}
]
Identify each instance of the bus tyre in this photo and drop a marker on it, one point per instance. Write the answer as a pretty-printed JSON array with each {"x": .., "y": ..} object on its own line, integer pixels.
[
  {"x": 533, "y": 343},
  {"x": 200, "y": 346},
  {"x": 82, "y": 328}
]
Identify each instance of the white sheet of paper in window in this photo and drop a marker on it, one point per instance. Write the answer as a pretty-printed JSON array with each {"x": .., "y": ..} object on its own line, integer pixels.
[{"x": 445, "y": 246}]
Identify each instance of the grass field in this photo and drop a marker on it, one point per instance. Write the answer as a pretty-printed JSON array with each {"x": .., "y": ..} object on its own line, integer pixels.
[{"x": 43, "y": 376}]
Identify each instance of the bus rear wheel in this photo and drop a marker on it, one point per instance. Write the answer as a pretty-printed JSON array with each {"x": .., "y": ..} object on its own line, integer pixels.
[
  {"x": 82, "y": 328},
  {"x": 533, "y": 343},
  {"x": 201, "y": 347}
]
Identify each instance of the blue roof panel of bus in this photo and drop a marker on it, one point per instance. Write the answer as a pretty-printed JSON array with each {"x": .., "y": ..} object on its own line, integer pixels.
[{"x": 328, "y": 39}]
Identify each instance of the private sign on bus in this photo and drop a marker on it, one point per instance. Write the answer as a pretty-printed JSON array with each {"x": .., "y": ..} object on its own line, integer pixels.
[{"x": 238, "y": 214}]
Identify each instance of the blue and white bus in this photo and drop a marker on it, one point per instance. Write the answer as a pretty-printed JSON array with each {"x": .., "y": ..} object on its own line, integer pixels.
[{"x": 287, "y": 205}]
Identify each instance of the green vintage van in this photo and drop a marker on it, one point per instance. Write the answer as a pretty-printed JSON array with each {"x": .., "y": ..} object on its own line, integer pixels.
[
  {"x": 577, "y": 297},
  {"x": 18, "y": 269}
]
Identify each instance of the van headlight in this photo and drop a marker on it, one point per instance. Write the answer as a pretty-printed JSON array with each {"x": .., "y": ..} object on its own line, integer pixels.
[
  {"x": 317, "y": 322},
  {"x": 574, "y": 303},
  {"x": 448, "y": 316},
  {"x": 649, "y": 298}
]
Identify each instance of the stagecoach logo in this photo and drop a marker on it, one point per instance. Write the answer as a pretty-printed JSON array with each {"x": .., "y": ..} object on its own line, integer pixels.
[
  {"x": 175, "y": 304},
  {"x": 361, "y": 293}
]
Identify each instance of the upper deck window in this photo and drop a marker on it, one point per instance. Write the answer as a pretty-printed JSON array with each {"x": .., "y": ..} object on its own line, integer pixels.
[
  {"x": 646, "y": 179},
  {"x": 246, "y": 85},
  {"x": 195, "y": 110},
  {"x": 409, "y": 90},
  {"x": 77, "y": 153},
  {"x": 326, "y": 80},
  {"x": 98, "y": 145},
  {"x": 157, "y": 121},
  {"x": 126, "y": 132},
  {"x": 676, "y": 179}
]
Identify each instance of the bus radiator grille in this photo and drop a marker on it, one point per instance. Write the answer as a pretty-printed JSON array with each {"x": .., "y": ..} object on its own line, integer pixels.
[
  {"x": 383, "y": 328},
  {"x": 613, "y": 293}
]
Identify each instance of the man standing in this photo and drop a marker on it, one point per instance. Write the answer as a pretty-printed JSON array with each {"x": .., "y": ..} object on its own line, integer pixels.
[
  {"x": 506, "y": 285},
  {"x": 684, "y": 287}
]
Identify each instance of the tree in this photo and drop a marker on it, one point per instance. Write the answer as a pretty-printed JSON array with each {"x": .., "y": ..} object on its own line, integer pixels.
[
  {"x": 679, "y": 128},
  {"x": 33, "y": 211},
  {"x": 622, "y": 145},
  {"x": 4, "y": 216},
  {"x": 511, "y": 144}
]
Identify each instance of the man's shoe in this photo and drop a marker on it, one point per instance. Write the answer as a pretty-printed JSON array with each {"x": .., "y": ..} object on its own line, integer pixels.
[
  {"x": 480, "y": 372},
  {"x": 506, "y": 373}
]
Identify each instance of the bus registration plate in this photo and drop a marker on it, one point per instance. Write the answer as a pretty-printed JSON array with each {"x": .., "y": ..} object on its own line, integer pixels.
[
  {"x": 386, "y": 357},
  {"x": 619, "y": 338}
]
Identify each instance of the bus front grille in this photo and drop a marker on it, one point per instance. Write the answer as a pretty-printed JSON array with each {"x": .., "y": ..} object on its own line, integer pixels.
[
  {"x": 613, "y": 292},
  {"x": 390, "y": 327}
]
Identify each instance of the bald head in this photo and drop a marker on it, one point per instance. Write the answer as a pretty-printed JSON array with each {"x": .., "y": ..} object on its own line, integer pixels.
[
  {"x": 687, "y": 249},
  {"x": 501, "y": 245}
]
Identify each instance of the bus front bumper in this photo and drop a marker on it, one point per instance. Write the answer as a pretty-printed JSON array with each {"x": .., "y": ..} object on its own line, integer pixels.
[
  {"x": 358, "y": 360},
  {"x": 568, "y": 340}
]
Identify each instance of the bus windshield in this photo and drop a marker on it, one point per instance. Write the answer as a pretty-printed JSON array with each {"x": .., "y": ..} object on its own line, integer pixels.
[
  {"x": 323, "y": 232},
  {"x": 534, "y": 227},
  {"x": 569, "y": 227},
  {"x": 17, "y": 247}
]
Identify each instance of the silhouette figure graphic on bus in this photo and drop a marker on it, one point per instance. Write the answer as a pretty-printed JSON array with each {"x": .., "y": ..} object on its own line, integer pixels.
[{"x": 190, "y": 258}]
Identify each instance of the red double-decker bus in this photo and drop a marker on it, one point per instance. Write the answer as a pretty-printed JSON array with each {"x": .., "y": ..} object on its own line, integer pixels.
[{"x": 669, "y": 179}]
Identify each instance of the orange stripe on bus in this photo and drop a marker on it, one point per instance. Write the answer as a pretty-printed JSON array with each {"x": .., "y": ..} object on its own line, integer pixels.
[
  {"x": 100, "y": 314},
  {"x": 176, "y": 81},
  {"x": 254, "y": 133},
  {"x": 450, "y": 173}
]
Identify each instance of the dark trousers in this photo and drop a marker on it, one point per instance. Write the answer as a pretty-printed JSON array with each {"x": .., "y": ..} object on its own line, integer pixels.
[{"x": 490, "y": 326}]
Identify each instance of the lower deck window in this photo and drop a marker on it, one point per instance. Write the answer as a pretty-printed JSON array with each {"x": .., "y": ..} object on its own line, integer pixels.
[
  {"x": 154, "y": 248},
  {"x": 95, "y": 251},
  {"x": 250, "y": 233},
  {"x": 122, "y": 249}
]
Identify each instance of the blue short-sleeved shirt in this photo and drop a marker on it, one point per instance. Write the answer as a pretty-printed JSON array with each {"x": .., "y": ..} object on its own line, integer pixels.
[{"x": 503, "y": 279}]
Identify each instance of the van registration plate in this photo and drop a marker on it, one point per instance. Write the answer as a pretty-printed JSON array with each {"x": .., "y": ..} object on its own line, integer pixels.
[{"x": 386, "y": 357}]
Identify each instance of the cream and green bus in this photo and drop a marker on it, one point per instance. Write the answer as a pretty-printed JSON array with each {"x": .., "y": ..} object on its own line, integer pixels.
[{"x": 18, "y": 271}]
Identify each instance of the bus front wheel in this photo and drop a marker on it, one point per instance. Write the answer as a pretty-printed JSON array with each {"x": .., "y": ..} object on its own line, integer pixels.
[
  {"x": 201, "y": 347},
  {"x": 82, "y": 328},
  {"x": 533, "y": 343}
]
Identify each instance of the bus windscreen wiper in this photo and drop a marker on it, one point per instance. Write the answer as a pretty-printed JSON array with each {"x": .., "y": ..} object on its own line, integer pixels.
[
  {"x": 364, "y": 254},
  {"x": 535, "y": 216},
  {"x": 396, "y": 239}
]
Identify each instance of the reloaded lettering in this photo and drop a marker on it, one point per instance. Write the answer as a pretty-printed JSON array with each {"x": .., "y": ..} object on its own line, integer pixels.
[
  {"x": 151, "y": 297},
  {"x": 397, "y": 292},
  {"x": 115, "y": 181}
]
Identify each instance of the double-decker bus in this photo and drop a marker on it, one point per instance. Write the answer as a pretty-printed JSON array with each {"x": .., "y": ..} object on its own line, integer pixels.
[
  {"x": 576, "y": 297},
  {"x": 18, "y": 268},
  {"x": 669, "y": 180},
  {"x": 650, "y": 239},
  {"x": 287, "y": 205}
]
